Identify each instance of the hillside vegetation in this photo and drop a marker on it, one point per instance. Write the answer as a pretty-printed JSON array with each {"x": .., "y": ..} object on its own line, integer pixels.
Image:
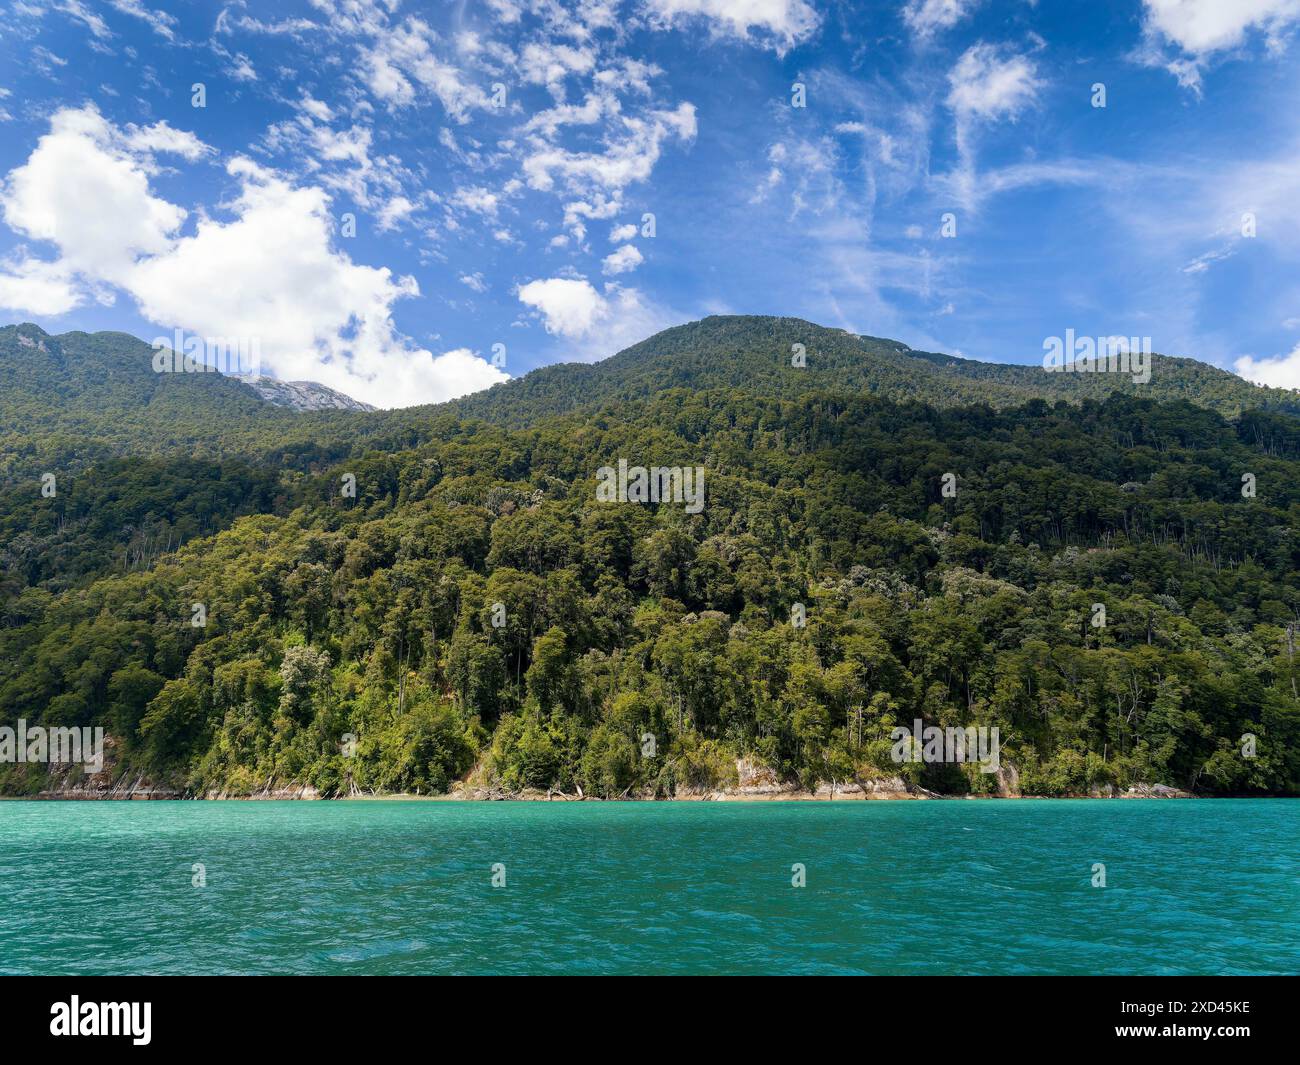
[{"x": 948, "y": 531}]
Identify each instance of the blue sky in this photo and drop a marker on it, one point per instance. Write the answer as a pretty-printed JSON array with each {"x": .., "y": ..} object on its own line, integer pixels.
[{"x": 380, "y": 192}]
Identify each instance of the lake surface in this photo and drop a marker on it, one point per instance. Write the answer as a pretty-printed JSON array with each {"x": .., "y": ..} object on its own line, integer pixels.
[{"x": 1202, "y": 886}]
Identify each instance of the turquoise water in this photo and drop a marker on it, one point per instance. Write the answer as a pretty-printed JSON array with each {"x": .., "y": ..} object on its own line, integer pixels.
[{"x": 892, "y": 887}]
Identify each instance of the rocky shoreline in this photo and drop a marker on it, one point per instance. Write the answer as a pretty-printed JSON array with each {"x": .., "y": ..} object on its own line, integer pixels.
[
  {"x": 753, "y": 783},
  {"x": 754, "y": 786}
]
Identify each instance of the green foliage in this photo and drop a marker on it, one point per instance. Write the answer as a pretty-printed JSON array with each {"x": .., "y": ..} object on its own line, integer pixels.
[{"x": 475, "y": 614}]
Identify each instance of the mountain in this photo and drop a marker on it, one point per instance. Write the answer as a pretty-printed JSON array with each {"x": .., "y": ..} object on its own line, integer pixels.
[
  {"x": 54, "y": 380},
  {"x": 76, "y": 399},
  {"x": 72, "y": 400},
  {"x": 754, "y": 353},
  {"x": 304, "y": 395},
  {"x": 441, "y": 598}
]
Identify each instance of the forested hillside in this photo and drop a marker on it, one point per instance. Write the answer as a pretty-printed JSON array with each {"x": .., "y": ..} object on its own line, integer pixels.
[
  {"x": 475, "y": 607},
  {"x": 73, "y": 400},
  {"x": 755, "y": 354}
]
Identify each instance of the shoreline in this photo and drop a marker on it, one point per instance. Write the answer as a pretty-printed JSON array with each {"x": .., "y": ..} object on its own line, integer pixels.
[
  {"x": 309, "y": 795},
  {"x": 751, "y": 783}
]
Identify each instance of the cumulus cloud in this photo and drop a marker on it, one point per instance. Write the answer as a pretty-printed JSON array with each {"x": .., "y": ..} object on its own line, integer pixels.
[
  {"x": 1202, "y": 26},
  {"x": 596, "y": 324},
  {"x": 570, "y": 306},
  {"x": 394, "y": 213},
  {"x": 40, "y": 288},
  {"x": 85, "y": 189},
  {"x": 622, "y": 260},
  {"x": 778, "y": 24},
  {"x": 990, "y": 82},
  {"x": 268, "y": 274},
  {"x": 1183, "y": 36},
  {"x": 1281, "y": 371}
]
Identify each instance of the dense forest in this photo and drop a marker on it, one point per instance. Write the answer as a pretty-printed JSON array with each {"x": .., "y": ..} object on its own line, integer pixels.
[{"x": 397, "y": 601}]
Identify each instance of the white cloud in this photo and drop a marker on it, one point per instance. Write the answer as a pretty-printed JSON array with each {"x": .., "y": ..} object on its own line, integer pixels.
[
  {"x": 273, "y": 275},
  {"x": 506, "y": 10},
  {"x": 780, "y": 24},
  {"x": 342, "y": 159},
  {"x": 1203, "y": 262},
  {"x": 590, "y": 111},
  {"x": 163, "y": 24},
  {"x": 989, "y": 82},
  {"x": 393, "y": 213},
  {"x": 453, "y": 373},
  {"x": 75, "y": 9},
  {"x": 594, "y": 324},
  {"x": 85, "y": 189},
  {"x": 813, "y": 182},
  {"x": 1202, "y": 26},
  {"x": 269, "y": 274},
  {"x": 547, "y": 63},
  {"x": 402, "y": 55},
  {"x": 623, "y": 233},
  {"x": 160, "y": 137},
  {"x": 316, "y": 108},
  {"x": 630, "y": 153},
  {"x": 623, "y": 260},
  {"x": 46, "y": 60},
  {"x": 474, "y": 281},
  {"x": 1184, "y": 36},
  {"x": 972, "y": 188},
  {"x": 607, "y": 128},
  {"x": 1282, "y": 371},
  {"x": 241, "y": 68},
  {"x": 477, "y": 199},
  {"x": 928, "y": 17},
  {"x": 569, "y": 306},
  {"x": 37, "y": 287}
]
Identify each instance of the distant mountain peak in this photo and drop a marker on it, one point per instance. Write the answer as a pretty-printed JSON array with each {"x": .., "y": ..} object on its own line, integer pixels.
[{"x": 304, "y": 395}]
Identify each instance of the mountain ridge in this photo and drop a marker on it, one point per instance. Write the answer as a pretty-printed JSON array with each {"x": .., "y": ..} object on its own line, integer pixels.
[
  {"x": 750, "y": 351},
  {"x": 70, "y": 400},
  {"x": 838, "y": 361}
]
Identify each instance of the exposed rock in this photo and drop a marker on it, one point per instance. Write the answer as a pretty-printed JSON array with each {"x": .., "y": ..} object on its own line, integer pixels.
[
  {"x": 757, "y": 779},
  {"x": 1156, "y": 791},
  {"x": 304, "y": 395},
  {"x": 891, "y": 788}
]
